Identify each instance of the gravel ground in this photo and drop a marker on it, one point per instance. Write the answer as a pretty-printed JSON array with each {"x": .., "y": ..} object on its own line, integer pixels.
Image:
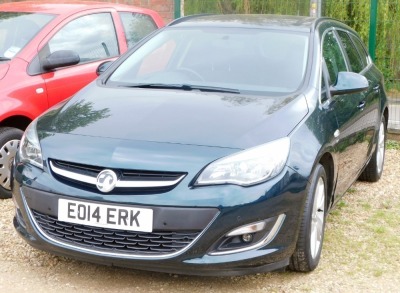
[{"x": 354, "y": 258}]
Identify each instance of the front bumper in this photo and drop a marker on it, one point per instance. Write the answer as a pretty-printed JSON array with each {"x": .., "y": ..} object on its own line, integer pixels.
[{"x": 283, "y": 195}]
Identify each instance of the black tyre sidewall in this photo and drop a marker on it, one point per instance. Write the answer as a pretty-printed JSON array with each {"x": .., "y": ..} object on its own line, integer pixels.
[{"x": 302, "y": 259}]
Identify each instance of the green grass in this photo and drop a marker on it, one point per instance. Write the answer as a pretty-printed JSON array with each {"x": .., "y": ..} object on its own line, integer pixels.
[
  {"x": 372, "y": 243},
  {"x": 351, "y": 190},
  {"x": 366, "y": 206},
  {"x": 393, "y": 145},
  {"x": 379, "y": 230}
]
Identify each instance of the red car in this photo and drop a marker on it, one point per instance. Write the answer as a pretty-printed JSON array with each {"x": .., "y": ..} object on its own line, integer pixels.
[{"x": 50, "y": 51}]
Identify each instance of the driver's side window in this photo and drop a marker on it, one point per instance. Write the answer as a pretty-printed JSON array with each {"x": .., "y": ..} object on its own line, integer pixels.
[
  {"x": 324, "y": 86},
  {"x": 333, "y": 56},
  {"x": 92, "y": 37}
]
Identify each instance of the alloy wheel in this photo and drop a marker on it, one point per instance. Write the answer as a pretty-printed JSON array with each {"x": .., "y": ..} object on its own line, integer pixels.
[
  {"x": 380, "y": 152},
  {"x": 317, "y": 219}
]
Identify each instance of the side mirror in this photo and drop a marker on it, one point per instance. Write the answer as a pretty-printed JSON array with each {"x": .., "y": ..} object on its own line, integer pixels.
[
  {"x": 60, "y": 58},
  {"x": 349, "y": 83},
  {"x": 103, "y": 67}
]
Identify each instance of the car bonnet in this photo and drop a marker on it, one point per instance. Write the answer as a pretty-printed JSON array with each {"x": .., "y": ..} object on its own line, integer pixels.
[{"x": 115, "y": 124}]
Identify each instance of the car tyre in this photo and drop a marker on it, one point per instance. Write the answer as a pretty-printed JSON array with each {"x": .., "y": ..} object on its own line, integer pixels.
[
  {"x": 373, "y": 171},
  {"x": 309, "y": 244},
  {"x": 9, "y": 142}
]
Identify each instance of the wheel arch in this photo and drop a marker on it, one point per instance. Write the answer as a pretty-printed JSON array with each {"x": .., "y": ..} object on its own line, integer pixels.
[
  {"x": 19, "y": 121},
  {"x": 386, "y": 115},
  {"x": 327, "y": 162}
]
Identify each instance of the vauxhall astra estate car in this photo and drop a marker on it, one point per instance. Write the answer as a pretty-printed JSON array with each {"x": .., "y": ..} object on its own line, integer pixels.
[
  {"x": 216, "y": 146},
  {"x": 49, "y": 51}
]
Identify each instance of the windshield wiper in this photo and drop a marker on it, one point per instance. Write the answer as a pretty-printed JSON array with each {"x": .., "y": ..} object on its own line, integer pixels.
[
  {"x": 185, "y": 87},
  {"x": 4, "y": 59}
]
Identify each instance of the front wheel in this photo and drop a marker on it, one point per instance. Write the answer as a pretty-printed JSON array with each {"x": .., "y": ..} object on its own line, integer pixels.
[
  {"x": 9, "y": 142},
  {"x": 309, "y": 244},
  {"x": 373, "y": 171}
]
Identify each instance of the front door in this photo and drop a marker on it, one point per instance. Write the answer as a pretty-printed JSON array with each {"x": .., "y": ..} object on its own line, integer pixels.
[{"x": 94, "y": 39}]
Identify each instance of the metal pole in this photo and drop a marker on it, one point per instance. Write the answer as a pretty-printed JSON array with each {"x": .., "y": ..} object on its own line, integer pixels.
[
  {"x": 372, "y": 28},
  {"x": 177, "y": 8},
  {"x": 315, "y": 8}
]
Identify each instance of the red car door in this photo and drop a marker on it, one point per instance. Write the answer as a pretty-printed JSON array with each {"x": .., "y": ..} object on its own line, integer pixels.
[{"x": 93, "y": 38}]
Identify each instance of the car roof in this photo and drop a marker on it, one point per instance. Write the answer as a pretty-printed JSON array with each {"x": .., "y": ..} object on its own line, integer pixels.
[
  {"x": 67, "y": 7},
  {"x": 284, "y": 22}
]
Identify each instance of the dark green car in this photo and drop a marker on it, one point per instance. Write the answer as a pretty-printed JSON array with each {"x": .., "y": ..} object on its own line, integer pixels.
[{"x": 216, "y": 146}]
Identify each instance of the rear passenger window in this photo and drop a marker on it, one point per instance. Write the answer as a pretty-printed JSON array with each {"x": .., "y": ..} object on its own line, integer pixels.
[
  {"x": 91, "y": 36},
  {"x": 136, "y": 26},
  {"x": 361, "y": 50},
  {"x": 352, "y": 53}
]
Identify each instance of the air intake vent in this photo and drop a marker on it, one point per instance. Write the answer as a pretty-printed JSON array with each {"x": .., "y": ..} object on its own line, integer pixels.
[{"x": 115, "y": 241}]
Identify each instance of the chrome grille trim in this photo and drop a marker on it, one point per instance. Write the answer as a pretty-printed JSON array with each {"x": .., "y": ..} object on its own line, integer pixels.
[
  {"x": 120, "y": 183},
  {"x": 72, "y": 175}
]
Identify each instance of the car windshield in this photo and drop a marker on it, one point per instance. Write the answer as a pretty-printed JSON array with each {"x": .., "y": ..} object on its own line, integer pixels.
[
  {"x": 17, "y": 29},
  {"x": 232, "y": 59}
]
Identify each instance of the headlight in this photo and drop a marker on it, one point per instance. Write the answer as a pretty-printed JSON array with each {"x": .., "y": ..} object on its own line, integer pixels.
[
  {"x": 29, "y": 148},
  {"x": 248, "y": 167}
]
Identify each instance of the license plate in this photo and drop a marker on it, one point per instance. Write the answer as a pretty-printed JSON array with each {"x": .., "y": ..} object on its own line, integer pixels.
[{"x": 105, "y": 216}]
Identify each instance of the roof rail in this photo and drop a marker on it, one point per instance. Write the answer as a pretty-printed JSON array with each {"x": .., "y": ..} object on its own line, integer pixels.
[{"x": 184, "y": 18}]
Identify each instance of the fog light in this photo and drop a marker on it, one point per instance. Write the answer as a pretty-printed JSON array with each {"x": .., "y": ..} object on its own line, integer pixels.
[
  {"x": 247, "y": 238},
  {"x": 250, "y": 228}
]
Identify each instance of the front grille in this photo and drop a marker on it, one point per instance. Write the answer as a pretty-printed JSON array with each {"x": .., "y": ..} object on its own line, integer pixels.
[
  {"x": 167, "y": 179},
  {"x": 114, "y": 241}
]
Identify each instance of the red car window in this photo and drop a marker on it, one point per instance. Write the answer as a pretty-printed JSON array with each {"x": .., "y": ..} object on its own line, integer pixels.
[
  {"x": 91, "y": 36},
  {"x": 136, "y": 26},
  {"x": 17, "y": 29}
]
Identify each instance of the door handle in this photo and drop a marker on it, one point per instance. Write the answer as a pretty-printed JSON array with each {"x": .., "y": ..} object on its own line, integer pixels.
[
  {"x": 376, "y": 88},
  {"x": 361, "y": 105}
]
